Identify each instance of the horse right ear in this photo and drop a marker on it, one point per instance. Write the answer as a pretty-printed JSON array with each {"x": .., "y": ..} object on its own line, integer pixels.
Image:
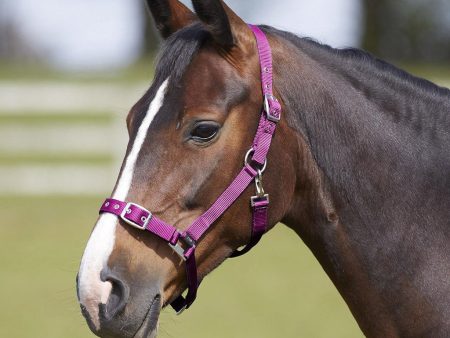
[{"x": 170, "y": 16}]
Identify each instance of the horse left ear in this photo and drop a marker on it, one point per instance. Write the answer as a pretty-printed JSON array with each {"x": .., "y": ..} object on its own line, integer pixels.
[
  {"x": 226, "y": 27},
  {"x": 170, "y": 16}
]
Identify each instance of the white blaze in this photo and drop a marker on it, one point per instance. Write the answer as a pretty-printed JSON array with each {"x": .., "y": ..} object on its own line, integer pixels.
[{"x": 92, "y": 291}]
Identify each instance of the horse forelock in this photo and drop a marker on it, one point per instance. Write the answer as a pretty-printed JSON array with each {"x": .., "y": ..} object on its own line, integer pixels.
[{"x": 178, "y": 51}]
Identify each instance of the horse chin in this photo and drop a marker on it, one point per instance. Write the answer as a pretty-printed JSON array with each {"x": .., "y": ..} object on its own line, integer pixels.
[
  {"x": 149, "y": 326},
  {"x": 139, "y": 320}
]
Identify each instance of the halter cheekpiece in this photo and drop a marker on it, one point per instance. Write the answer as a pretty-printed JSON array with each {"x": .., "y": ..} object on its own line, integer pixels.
[{"x": 184, "y": 242}]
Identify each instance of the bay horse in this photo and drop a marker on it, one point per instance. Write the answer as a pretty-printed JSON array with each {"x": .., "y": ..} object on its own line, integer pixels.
[{"x": 358, "y": 167}]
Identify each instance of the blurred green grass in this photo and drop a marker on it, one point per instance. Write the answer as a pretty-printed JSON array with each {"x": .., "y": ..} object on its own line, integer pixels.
[
  {"x": 277, "y": 290},
  {"x": 55, "y": 159},
  {"x": 143, "y": 71},
  {"x": 39, "y": 118}
]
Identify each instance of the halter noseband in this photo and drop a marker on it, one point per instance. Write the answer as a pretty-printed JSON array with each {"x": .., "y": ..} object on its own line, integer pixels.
[{"x": 139, "y": 217}]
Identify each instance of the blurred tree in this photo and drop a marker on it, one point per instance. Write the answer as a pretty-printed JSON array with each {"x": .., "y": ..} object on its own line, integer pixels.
[
  {"x": 408, "y": 30},
  {"x": 13, "y": 46}
]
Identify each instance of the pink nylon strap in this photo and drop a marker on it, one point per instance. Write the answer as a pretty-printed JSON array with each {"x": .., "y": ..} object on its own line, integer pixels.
[
  {"x": 139, "y": 217},
  {"x": 261, "y": 144},
  {"x": 223, "y": 202},
  {"x": 272, "y": 107},
  {"x": 259, "y": 225}
]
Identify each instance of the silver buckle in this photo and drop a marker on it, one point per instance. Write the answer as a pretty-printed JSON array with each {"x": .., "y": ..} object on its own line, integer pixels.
[
  {"x": 269, "y": 114},
  {"x": 260, "y": 194},
  {"x": 133, "y": 224}
]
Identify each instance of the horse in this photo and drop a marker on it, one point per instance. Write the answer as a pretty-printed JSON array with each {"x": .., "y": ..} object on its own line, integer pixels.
[{"x": 358, "y": 167}]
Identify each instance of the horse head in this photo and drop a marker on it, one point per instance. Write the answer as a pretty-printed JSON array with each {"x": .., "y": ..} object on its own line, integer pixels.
[{"x": 188, "y": 136}]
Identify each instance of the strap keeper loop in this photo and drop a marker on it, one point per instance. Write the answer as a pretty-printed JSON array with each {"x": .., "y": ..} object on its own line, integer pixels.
[
  {"x": 175, "y": 237},
  {"x": 250, "y": 170}
]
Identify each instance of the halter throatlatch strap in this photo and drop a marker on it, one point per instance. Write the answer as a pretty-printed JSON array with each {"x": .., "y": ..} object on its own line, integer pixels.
[
  {"x": 139, "y": 217},
  {"x": 270, "y": 116}
]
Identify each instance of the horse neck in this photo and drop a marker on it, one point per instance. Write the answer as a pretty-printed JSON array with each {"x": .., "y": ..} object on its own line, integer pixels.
[{"x": 356, "y": 214}]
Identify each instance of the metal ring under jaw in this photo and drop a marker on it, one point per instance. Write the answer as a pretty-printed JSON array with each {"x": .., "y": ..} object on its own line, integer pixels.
[
  {"x": 130, "y": 222},
  {"x": 184, "y": 254},
  {"x": 247, "y": 156}
]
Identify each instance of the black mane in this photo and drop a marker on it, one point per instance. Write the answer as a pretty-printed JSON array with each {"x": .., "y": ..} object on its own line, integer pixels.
[
  {"x": 179, "y": 49},
  {"x": 173, "y": 59},
  {"x": 355, "y": 55}
]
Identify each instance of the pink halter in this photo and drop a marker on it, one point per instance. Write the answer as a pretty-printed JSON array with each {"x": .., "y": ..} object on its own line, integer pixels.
[{"x": 139, "y": 217}]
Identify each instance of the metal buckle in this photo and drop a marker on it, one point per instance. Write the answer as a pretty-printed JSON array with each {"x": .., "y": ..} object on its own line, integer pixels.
[
  {"x": 260, "y": 194},
  {"x": 133, "y": 224},
  {"x": 255, "y": 199},
  {"x": 269, "y": 114},
  {"x": 179, "y": 250}
]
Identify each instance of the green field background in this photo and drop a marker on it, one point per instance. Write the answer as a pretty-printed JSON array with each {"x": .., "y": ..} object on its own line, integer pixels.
[{"x": 277, "y": 290}]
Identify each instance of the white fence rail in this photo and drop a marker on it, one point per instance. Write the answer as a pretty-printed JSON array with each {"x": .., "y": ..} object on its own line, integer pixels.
[
  {"x": 28, "y": 97},
  {"x": 62, "y": 139},
  {"x": 56, "y": 139}
]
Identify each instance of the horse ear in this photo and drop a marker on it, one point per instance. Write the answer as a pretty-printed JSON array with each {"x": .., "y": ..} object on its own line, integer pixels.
[
  {"x": 170, "y": 16},
  {"x": 225, "y": 26}
]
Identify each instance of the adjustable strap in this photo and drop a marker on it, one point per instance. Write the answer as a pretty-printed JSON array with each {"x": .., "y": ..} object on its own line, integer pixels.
[
  {"x": 270, "y": 116},
  {"x": 259, "y": 224},
  {"x": 139, "y": 217},
  {"x": 180, "y": 303},
  {"x": 261, "y": 143},
  {"x": 271, "y": 109}
]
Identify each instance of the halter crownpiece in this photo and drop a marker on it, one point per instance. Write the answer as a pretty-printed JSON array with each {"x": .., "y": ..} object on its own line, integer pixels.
[{"x": 139, "y": 217}]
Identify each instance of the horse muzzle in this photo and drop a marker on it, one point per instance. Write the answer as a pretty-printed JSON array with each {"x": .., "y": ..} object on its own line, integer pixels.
[{"x": 127, "y": 312}]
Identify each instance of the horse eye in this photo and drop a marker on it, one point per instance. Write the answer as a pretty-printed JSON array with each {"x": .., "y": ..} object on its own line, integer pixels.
[{"x": 204, "y": 132}]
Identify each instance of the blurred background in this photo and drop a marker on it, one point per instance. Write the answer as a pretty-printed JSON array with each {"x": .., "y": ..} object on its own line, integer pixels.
[{"x": 69, "y": 72}]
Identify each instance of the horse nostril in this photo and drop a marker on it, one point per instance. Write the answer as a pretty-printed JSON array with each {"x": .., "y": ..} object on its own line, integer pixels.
[{"x": 117, "y": 299}]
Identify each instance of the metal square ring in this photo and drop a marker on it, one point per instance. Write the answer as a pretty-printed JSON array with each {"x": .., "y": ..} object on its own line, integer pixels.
[{"x": 179, "y": 249}]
